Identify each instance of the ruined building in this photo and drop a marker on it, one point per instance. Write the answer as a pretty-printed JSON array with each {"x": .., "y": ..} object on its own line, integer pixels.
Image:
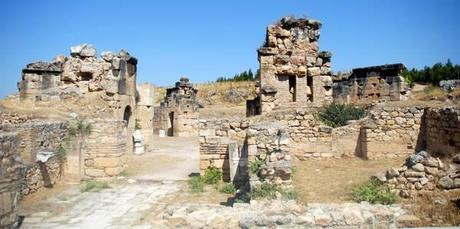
[
  {"x": 369, "y": 84},
  {"x": 177, "y": 114},
  {"x": 293, "y": 72}
]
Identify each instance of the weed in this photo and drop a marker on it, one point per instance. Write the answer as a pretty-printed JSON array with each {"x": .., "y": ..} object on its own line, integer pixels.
[
  {"x": 212, "y": 175},
  {"x": 373, "y": 191},
  {"x": 124, "y": 173},
  {"x": 244, "y": 198},
  {"x": 336, "y": 115},
  {"x": 265, "y": 191},
  {"x": 94, "y": 186},
  {"x": 227, "y": 188},
  {"x": 137, "y": 124},
  {"x": 254, "y": 166},
  {"x": 196, "y": 184},
  {"x": 289, "y": 194}
]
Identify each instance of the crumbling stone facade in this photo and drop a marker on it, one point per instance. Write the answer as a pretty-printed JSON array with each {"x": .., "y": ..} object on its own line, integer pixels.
[
  {"x": 293, "y": 73},
  {"x": 371, "y": 84},
  {"x": 442, "y": 131},
  {"x": 177, "y": 114}
]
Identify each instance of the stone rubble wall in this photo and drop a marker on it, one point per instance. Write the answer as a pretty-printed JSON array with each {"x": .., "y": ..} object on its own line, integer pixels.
[
  {"x": 11, "y": 177},
  {"x": 144, "y": 113},
  {"x": 34, "y": 136},
  {"x": 392, "y": 132},
  {"x": 423, "y": 173},
  {"x": 104, "y": 149},
  {"x": 442, "y": 131}
]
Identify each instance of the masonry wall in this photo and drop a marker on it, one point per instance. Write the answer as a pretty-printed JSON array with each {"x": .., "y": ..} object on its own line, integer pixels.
[
  {"x": 10, "y": 179},
  {"x": 442, "y": 131},
  {"x": 104, "y": 149},
  {"x": 33, "y": 137},
  {"x": 393, "y": 131}
]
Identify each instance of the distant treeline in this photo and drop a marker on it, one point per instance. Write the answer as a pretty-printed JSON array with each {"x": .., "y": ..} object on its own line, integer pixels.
[
  {"x": 243, "y": 76},
  {"x": 433, "y": 74}
]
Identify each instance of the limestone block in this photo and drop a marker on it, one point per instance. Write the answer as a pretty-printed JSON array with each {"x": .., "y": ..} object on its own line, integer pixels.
[
  {"x": 113, "y": 171},
  {"x": 314, "y": 71},
  {"x": 106, "y": 162},
  {"x": 95, "y": 172}
]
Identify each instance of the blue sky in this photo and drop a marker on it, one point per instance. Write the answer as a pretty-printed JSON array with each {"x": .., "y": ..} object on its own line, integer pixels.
[{"x": 205, "y": 39}]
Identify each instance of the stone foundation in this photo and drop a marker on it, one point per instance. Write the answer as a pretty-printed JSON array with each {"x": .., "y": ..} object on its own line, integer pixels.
[{"x": 442, "y": 131}]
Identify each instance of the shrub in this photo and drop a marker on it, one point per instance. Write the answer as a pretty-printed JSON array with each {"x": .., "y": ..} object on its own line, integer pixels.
[
  {"x": 94, "y": 186},
  {"x": 196, "y": 184},
  {"x": 212, "y": 175},
  {"x": 265, "y": 191},
  {"x": 137, "y": 124},
  {"x": 336, "y": 115},
  {"x": 254, "y": 166},
  {"x": 373, "y": 191},
  {"x": 227, "y": 188},
  {"x": 244, "y": 198}
]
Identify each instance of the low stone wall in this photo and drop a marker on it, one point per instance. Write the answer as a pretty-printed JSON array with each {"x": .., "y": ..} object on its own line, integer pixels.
[
  {"x": 422, "y": 172},
  {"x": 11, "y": 174},
  {"x": 392, "y": 131},
  {"x": 312, "y": 139},
  {"x": 442, "y": 131},
  {"x": 104, "y": 148},
  {"x": 42, "y": 175}
]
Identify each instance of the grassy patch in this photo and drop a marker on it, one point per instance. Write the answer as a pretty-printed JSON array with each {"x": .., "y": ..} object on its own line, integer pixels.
[
  {"x": 373, "y": 191},
  {"x": 265, "y": 191},
  {"x": 336, "y": 115},
  {"x": 124, "y": 173},
  {"x": 196, "y": 184},
  {"x": 289, "y": 194},
  {"x": 227, "y": 188},
  {"x": 94, "y": 186}
]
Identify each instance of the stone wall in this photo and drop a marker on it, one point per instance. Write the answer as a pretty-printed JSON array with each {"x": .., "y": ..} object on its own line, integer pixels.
[
  {"x": 37, "y": 136},
  {"x": 231, "y": 145},
  {"x": 11, "y": 176},
  {"x": 392, "y": 131},
  {"x": 442, "y": 131},
  {"x": 312, "y": 139},
  {"x": 144, "y": 113},
  {"x": 104, "y": 149}
]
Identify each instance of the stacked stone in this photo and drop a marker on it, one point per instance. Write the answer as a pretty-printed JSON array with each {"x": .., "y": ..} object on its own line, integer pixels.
[
  {"x": 269, "y": 142},
  {"x": 422, "y": 172},
  {"x": 392, "y": 131},
  {"x": 104, "y": 149},
  {"x": 39, "y": 177},
  {"x": 78, "y": 74},
  {"x": 10, "y": 179},
  {"x": 291, "y": 49},
  {"x": 443, "y": 130}
]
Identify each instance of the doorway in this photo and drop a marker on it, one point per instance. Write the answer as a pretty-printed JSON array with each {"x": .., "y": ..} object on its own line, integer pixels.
[
  {"x": 171, "y": 124},
  {"x": 292, "y": 87}
]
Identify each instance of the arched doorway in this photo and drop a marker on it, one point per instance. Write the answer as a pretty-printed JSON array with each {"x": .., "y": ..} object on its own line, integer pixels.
[{"x": 127, "y": 114}]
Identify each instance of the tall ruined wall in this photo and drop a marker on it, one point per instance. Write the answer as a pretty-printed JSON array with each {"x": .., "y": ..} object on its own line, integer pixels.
[
  {"x": 442, "y": 131},
  {"x": 144, "y": 113},
  {"x": 11, "y": 177},
  {"x": 292, "y": 70},
  {"x": 104, "y": 148}
]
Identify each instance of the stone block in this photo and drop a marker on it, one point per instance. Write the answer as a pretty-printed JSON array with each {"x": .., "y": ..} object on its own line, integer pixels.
[
  {"x": 95, "y": 172},
  {"x": 113, "y": 171},
  {"x": 106, "y": 162}
]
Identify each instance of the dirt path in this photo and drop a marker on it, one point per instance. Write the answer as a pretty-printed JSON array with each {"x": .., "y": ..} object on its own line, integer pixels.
[{"x": 173, "y": 158}]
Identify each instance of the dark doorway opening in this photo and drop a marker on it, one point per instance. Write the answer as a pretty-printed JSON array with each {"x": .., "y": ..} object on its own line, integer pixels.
[
  {"x": 310, "y": 88},
  {"x": 171, "y": 124},
  {"x": 127, "y": 114},
  {"x": 292, "y": 87}
]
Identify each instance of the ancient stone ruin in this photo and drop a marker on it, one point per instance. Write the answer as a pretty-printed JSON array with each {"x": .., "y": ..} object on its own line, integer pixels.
[
  {"x": 293, "y": 72},
  {"x": 371, "y": 84},
  {"x": 177, "y": 114}
]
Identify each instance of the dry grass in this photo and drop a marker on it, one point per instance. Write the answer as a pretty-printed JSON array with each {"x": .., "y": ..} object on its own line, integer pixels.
[
  {"x": 430, "y": 93},
  {"x": 332, "y": 180},
  {"x": 223, "y": 111}
]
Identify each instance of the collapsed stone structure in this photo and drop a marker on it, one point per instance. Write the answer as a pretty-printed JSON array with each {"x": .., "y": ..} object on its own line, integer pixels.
[
  {"x": 370, "y": 84},
  {"x": 177, "y": 115},
  {"x": 293, "y": 73}
]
